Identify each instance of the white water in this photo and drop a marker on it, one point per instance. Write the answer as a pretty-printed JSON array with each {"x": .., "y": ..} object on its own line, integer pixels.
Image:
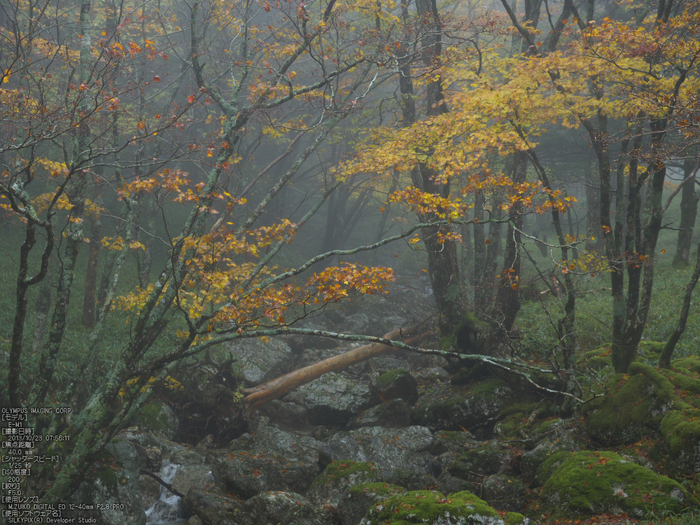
[{"x": 167, "y": 508}]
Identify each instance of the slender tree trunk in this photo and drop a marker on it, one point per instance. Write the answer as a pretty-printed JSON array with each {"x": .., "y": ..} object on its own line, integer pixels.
[
  {"x": 482, "y": 294},
  {"x": 593, "y": 205},
  {"x": 689, "y": 210},
  {"x": 667, "y": 353},
  {"x": 90, "y": 291}
]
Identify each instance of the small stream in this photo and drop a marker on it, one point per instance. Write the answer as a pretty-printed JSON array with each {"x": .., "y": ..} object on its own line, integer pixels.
[{"x": 167, "y": 508}]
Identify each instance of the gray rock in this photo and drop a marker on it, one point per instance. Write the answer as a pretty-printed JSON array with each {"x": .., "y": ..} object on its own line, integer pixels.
[
  {"x": 261, "y": 361},
  {"x": 270, "y": 459},
  {"x": 455, "y": 441},
  {"x": 389, "y": 323},
  {"x": 287, "y": 416},
  {"x": 212, "y": 509},
  {"x": 357, "y": 323},
  {"x": 392, "y": 414},
  {"x": 282, "y": 508},
  {"x": 449, "y": 484},
  {"x": 431, "y": 375},
  {"x": 388, "y": 449},
  {"x": 482, "y": 461},
  {"x": 310, "y": 356},
  {"x": 193, "y": 476},
  {"x": 505, "y": 493},
  {"x": 333, "y": 399},
  {"x": 425, "y": 361},
  {"x": 474, "y": 408},
  {"x": 149, "y": 489}
]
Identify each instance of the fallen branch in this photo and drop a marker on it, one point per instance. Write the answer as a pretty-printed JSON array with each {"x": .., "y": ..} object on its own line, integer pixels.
[{"x": 261, "y": 394}]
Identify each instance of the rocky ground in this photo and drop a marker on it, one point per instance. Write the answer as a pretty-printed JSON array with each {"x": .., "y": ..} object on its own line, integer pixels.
[{"x": 408, "y": 438}]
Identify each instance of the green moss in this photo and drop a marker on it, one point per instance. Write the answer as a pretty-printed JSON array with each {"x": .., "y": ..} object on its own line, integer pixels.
[
  {"x": 446, "y": 343},
  {"x": 681, "y": 432},
  {"x": 597, "y": 359},
  {"x": 342, "y": 469},
  {"x": 381, "y": 489},
  {"x": 684, "y": 382},
  {"x": 487, "y": 389},
  {"x": 687, "y": 364},
  {"x": 514, "y": 518},
  {"x": 428, "y": 507},
  {"x": 547, "y": 426},
  {"x": 387, "y": 378},
  {"x": 651, "y": 347},
  {"x": 589, "y": 483},
  {"x": 151, "y": 416},
  {"x": 633, "y": 408},
  {"x": 551, "y": 464},
  {"x": 516, "y": 421}
]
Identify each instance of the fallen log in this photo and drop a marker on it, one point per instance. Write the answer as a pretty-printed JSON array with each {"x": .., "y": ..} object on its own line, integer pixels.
[{"x": 261, "y": 394}]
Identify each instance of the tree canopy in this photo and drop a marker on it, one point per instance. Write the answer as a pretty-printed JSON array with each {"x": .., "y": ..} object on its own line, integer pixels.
[{"x": 190, "y": 147}]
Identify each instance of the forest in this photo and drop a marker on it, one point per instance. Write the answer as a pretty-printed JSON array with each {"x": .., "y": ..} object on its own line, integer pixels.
[{"x": 479, "y": 213}]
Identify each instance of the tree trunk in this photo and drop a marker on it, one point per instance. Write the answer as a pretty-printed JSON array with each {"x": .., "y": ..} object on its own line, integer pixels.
[
  {"x": 90, "y": 292},
  {"x": 667, "y": 353},
  {"x": 689, "y": 210},
  {"x": 507, "y": 303}
]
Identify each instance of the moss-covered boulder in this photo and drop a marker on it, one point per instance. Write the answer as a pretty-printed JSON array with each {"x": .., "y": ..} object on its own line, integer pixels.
[
  {"x": 355, "y": 502},
  {"x": 396, "y": 384},
  {"x": 474, "y": 407},
  {"x": 681, "y": 433},
  {"x": 590, "y": 483},
  {"x": 680, "y": 427},
  {"x": 482, "y": 461},
  {"x": 337, "y": 477},
  {"x": 432, "y": 507},
  {"x": 532, "y": 461},
  {"x": 633, "y": 407}
]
